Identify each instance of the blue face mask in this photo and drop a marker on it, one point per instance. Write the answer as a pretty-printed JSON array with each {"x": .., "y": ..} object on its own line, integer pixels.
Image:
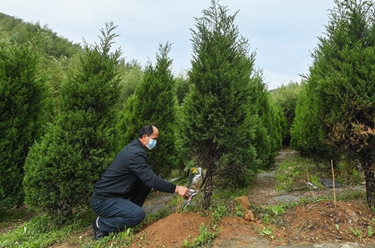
[{"x": 151, "y": 144}]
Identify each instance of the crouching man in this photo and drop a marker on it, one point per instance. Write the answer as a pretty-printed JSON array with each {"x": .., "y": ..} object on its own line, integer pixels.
[{"x": 118, "y": 196}]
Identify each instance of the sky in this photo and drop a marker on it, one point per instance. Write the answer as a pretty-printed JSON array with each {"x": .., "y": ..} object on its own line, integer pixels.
[{"x": 281, "y": 33}]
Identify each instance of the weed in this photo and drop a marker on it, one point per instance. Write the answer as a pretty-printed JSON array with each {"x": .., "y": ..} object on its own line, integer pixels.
[
  {"x": 288, "y": 171},
  {"x": 266, "y": 219},
  {"x": 205, "y": 237},
  {"x": 276, "y": 209},
  {"x": 39, "y": 232},
  {"x": 370, "y": 232},
  {"x": 239, "y": 211},
  {"x": 303, "y": 201},
  {"x": 357, "y": 233},
  {"x": 316, "y": 181},
  {"x": 267, "y": 231},
  {"x": 218, "y": 213}
]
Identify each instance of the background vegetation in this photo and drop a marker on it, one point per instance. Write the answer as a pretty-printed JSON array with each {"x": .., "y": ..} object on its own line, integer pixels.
[{"x": 67, "y": 109}]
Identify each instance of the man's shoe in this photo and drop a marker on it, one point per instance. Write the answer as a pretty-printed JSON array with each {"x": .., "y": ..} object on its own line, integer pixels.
[{"x": 97, "y": 233}]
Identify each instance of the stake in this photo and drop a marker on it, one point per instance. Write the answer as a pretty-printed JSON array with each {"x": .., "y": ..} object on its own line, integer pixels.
[
  {"x": 333, "y": 183},
  {"x": 308, "y": 175}
]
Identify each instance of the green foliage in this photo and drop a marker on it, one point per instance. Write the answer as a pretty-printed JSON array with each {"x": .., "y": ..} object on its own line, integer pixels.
[
  {"x": 20, "y": 32},
  {"x": 288, "y": 171},
  {"x": 286, "y": 97},
  {"x": 131, "y": 77},
  {"x": 39, "y": 232},
  {"x": 349, "y": 173},
  {"x": 22, "y": 96},
  {"x": 308, "y": 132},
  {"x": 276, "y": 210},
  {"x": 13, "y": 214},
  {"x": 228, "y": 123},
  {"x": 266, "y": 218},
  {"x": 121, "y": 239},
  {"x": 205, "y": 237},
  {"x": 267, "y": 231},
  {"x": 239, "y": 211},
  {"x": 340, "y": 88},
  {"x": 370, "y": 231},
  {"x": 268, "y": 123},
  {"x": 315, "y": 181},
  {"x": 218, "y": 212},
  {"x": 61, "y": 169},
  {"x": 356, "y": 232},
  {"x": 154, "y": 102},
  {"x": 182, "y": 88},
  {"x": 348, "y": 87},
  {"x": 215, "y": 122}
]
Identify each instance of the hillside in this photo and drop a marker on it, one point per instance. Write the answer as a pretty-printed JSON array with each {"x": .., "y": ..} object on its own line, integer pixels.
[{"x": 19, "y": 31}]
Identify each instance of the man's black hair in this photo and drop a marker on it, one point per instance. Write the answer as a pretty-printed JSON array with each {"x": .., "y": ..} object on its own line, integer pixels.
[{"x": 148, "y": 130}]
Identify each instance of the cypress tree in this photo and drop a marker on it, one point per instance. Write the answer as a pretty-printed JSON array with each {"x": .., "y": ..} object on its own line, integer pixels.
[
  {"x": 61, "y": 169},
  {"x": 216, "y": 124},
  {"x": 154, "y": 102},
  {"x": 343, "y": 76},
  {"x": 308, "y": 132},
  {"x": 347, "y": 61},
  {"x": 286, "y": 97},
  {"x": 267, "y": 122},
  {"x": 22, "y": 94}
]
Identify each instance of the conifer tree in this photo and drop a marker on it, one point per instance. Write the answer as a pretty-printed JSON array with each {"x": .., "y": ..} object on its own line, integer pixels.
[
  {"x": 216, "y": 122},
  {"x": 268, "y": 123},
  {"x": 286, "y": 97},
  {"x": 61, "y": 169},
  {"x": 131, "y": 75},
  {"x": 343, "y": 78},
  {"x": 154, "y": 102},
  {"x": 308, "y": 132},
  {"x": 22, "y": 94}
]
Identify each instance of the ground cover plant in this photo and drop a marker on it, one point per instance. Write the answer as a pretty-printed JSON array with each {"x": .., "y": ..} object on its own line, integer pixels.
[{"x": 313, "y": 217}]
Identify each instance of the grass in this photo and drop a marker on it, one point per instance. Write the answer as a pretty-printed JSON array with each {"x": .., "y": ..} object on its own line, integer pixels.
[
  {"x": 288, "y": 171},
  {"x": 206, "y": 236},
  {"x": 36, "y": 230}
]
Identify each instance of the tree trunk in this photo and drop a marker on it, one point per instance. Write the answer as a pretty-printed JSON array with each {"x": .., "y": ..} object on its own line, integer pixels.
[
  {"x": 209, "y": 188},
  {"x": 370, "y": 181}
]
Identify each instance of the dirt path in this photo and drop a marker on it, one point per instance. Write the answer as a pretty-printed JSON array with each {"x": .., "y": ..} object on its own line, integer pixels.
[{"x": 264, "y": 193}]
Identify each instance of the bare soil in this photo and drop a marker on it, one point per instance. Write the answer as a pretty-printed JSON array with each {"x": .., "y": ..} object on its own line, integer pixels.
[{"x": 325, "y": 223}]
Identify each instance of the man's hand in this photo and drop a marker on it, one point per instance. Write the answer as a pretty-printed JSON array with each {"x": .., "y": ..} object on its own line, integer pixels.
[{"x": 183, "y": 191}]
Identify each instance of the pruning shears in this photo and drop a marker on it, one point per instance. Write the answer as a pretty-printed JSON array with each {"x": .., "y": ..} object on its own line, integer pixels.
[{"x": 188, "y": 201}]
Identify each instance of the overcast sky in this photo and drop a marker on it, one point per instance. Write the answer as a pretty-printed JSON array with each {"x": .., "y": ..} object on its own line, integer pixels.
[{"x": 282, "y": 33}]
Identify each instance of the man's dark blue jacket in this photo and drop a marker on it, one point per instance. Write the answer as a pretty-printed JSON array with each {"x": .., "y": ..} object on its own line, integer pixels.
[{"x": 129, "y": 166}]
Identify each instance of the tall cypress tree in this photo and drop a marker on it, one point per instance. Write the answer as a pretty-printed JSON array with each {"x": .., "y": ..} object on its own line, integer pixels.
[
  {"x": 61, "y": 169},
  {"x": 343, "y": 76},
  {"x": 155, "y": 102},
  {"x": 216, "y": 123},
  {"x": 308, "y": 132},
  {"x": 267, "y": 121},
  {"x": 22, "y": 92},
  {"x": 347, "y": 61},
  {"x": 286, "y": 97}
]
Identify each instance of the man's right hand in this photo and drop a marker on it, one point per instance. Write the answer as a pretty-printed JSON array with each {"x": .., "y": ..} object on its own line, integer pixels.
[{"x": 182, "y": 191}]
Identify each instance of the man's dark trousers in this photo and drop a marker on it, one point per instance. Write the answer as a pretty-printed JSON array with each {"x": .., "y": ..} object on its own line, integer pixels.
[{"x": 116, "y": 214}]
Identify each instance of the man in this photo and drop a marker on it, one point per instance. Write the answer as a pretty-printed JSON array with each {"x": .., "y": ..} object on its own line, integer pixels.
[{"x": 124, "y": 186}]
